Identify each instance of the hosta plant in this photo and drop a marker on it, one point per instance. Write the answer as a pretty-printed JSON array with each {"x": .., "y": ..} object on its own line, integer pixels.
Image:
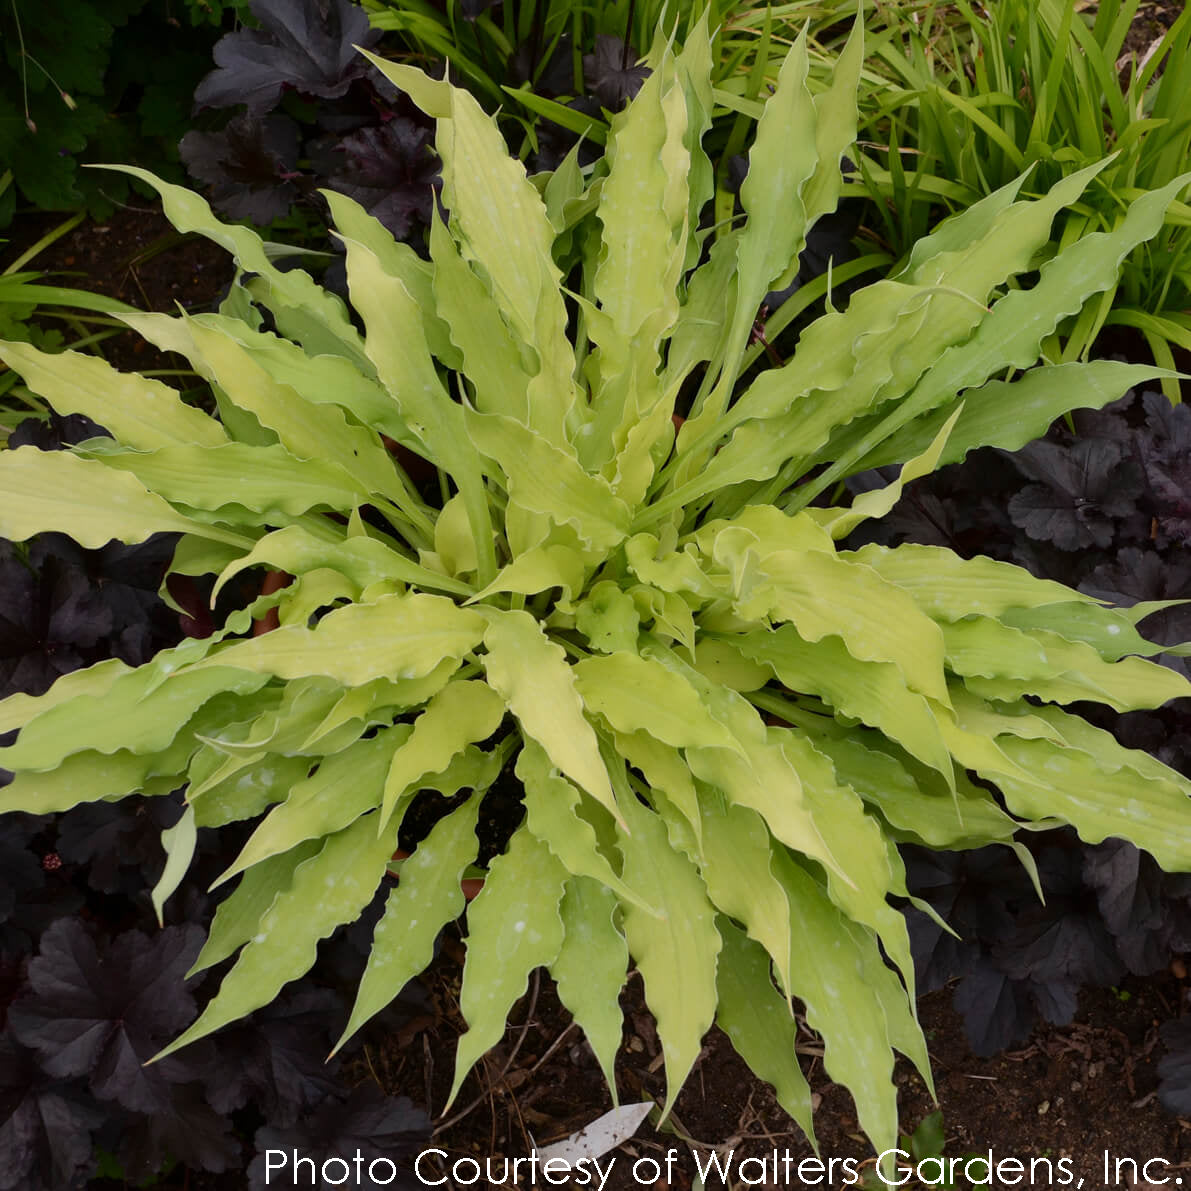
[{"x": 492, "y": 557}]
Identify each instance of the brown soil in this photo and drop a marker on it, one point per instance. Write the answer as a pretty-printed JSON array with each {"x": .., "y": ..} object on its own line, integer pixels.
[
  {"x": 1153, "y": 19},
  {"x": 135, "y": 256},
  {"x": 1072, "y": 1092}
]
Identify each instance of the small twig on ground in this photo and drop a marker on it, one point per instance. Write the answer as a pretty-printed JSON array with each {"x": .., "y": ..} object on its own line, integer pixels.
[
  {"x": 487, "y": 1094},
  {"x": 552, "y": 1048}
]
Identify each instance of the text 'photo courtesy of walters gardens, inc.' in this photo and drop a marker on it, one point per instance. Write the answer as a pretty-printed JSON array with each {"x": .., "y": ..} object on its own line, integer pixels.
[{"x": 892, "y": 1168}]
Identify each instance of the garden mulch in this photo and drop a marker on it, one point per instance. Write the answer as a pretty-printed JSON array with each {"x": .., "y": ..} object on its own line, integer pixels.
[{"x": 1070, "y": 1092}]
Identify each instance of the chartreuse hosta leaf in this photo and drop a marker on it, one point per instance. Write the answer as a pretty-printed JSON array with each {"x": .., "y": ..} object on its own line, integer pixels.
[
  {"x": 427, "y": 897},
  {"x": 141, "y": 412},
  {"x": 330, "y": 888},
  {"x": 590, "y": 991},
  {"x": 758, "y": 1021},
  {"x": 492, "y": 559},
  {"x": 675, "y": 949},
  {"x": 515, "y": 927}
]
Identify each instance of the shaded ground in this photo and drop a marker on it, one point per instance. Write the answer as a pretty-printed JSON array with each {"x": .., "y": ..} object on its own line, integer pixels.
[
  {"x": 1071, "y": 1093},
  {"x": 1152, "y": 20},
  {"x": 135, "y": 256}
]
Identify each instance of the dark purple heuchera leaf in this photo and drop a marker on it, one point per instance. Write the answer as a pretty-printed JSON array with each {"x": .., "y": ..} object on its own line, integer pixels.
[
  {"x": 1147, "y": 911},
  {"x": 182, "y": 1127},
  {"x": 34, "y": 890},
  {"x": 276, "y": 1058},
  {"x": 382, "y": 1129},
  {"x": 1018, "y": 956},
  {"x": 1139, "y": 575},
  {"x": 102, "y": 1010},
  {"x": 1159, "y": 732},
  {"x": 21, "y": 873},
  {"x": 251, "y": 165},
  {"x": 1055, "y": 1000},
  {"x": 47, "y": 621},
  {"x": 304, "y": 44},
  {"x": 55, "y": 433},
  {"x": 997, "y": 1011},
  {"x": 111, "y": 837},
  {"x": 611, "y": 73},
  {"x": 390, "y": 171},
  {"x": 1167, "y": 453},
  {"x": 1063, "y": 942},
  {"x": 1081, "y": 491},
  {"x": 962, "y": 507},
  {"x": 1174, "y": 1068},
  {"x": 45, "y": 1126},
  {"x": 1060, "y": 945},
  {"x": 551, "y": 78},
  {"x": 1128, "y": 885},
  {"x": 555, "y": 142}
]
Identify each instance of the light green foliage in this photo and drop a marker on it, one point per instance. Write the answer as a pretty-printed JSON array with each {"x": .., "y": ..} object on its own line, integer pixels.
[
  {"x": 974, "y": 96},
  {"x": 723, "y": 719}
]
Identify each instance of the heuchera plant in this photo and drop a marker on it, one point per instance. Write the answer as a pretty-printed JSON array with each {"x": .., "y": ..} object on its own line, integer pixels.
[{"x": 722, "y": 722}]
